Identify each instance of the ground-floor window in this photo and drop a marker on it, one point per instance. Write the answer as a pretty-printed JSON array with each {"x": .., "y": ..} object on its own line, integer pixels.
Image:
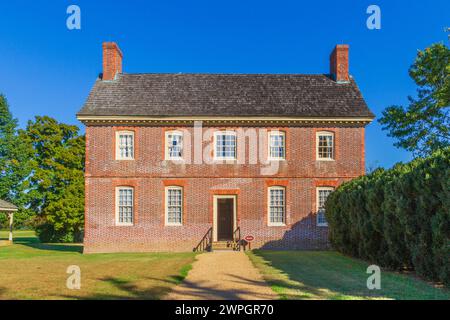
[
  {"x": 277, "y": 201},
  {"x": 322, "y": 195},
  {"x": 125, "y": 205},
  {"x": 174, "y": 206}
]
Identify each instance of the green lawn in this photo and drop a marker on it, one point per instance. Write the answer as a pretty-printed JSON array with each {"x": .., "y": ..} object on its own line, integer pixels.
[
  {"x": 31, "y": 270},
  {"x": 330, "y": 275}
]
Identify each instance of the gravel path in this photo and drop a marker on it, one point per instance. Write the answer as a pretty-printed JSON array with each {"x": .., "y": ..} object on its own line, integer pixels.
[{"x": 222, "y": 275}]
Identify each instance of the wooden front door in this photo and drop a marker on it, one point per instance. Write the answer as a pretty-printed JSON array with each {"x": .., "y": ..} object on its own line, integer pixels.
[{"x": 225, "y": 219}]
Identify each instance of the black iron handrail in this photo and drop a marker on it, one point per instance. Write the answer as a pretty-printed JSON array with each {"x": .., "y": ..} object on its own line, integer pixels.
[
  {"x": 237, "y": 238},
  {"x": 205, "y": 243}
]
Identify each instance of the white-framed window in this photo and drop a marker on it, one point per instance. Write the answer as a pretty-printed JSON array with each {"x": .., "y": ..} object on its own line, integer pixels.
[
  {"x": 125, "y": 145},
  {"x": 277, "y": 206},
  {"x": 174, "y": 145},
  {"x": 277, "y": 145},
  {"x": 225, "y": 145},
  {"x": 322, "y": 195},
  {"x": 174, "y": 206},
  {"x": 325, "y": 145},
  {"x": 124, "y": 206}
]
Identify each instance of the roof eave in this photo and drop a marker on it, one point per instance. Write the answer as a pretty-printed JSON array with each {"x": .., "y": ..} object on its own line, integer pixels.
[
  {"x": 8, "y": 210},
  {"x": 231, "y": 120}
]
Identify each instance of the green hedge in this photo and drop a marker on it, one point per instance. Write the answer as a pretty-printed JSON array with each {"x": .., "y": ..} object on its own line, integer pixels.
[{"x": 397, "y": 218}]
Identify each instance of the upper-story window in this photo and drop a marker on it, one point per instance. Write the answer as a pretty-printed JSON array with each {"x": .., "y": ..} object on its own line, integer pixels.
[
  {"x": 325, "y": 145},
  {"x": 125, "y": 145},
  {"x": 174, "y": 145},
  {"x": 174, "y": 206},
  {"x": 277, "y": 145},
  {"x": 124, "y": 206},
  {"x": 225, "y": 143},
  {"x": 322, "y": 195},
  {"x": 277, "y": 205}
]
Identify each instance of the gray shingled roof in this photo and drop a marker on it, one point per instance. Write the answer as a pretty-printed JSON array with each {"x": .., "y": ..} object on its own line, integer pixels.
[
  {"x": 225, "y": 95},
  {"x": 6, "y": 205}
]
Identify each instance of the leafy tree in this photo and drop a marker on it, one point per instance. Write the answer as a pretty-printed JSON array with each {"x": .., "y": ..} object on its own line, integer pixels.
[
  {"x": 57, "y": 180},
  {"x": 423, "y": 126},
  {"x": 14, "y": 168}
]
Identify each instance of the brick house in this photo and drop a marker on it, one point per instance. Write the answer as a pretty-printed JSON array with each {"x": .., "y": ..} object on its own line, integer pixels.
[{"x": 174, "y": 161}]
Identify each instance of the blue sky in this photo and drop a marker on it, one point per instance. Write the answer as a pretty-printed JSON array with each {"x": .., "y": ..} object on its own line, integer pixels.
[{"x": 45, "y": 69}]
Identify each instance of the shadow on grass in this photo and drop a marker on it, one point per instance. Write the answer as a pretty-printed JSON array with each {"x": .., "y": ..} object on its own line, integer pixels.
[
  {"x": 314, "y": 276},
  {"x": 129, "y": 291},
  {"x": 284, "y": 284},
  {"x": 329, "y": 275},
  {"x": 57, "y": 247},
  {"x": 33, "y": 242}
]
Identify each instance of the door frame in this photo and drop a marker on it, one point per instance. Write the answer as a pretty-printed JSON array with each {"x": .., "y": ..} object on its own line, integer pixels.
[{"x": 215, "y": 214}]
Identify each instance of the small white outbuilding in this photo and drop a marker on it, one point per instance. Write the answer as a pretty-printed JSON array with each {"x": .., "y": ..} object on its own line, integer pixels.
[{"x": 9, "y": 209}]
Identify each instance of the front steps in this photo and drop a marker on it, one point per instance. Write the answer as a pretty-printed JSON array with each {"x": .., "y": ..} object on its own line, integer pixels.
[{"x": 224, "y": 246}]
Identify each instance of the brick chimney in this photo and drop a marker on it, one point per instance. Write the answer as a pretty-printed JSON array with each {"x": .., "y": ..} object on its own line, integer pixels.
[
  {"x": 112, "y": 60},
  {"x": 339, "y": 63}
]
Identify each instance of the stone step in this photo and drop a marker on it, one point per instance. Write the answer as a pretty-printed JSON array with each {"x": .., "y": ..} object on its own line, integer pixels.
[{"x": 223, "y": 245}]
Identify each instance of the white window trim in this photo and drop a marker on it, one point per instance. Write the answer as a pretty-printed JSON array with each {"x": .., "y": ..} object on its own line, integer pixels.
[
  {"x": 276, "y": 133},
  {"x": 317, "y": 205},
  {"x": 325, "y": 133},
  {"x": 122, "y": 224},
  {"x": 166, "y": 145},
  {"x": 276, "y": 224},
  {"x": 166, "y": 205},
  {"x": 225, "y": 132},
  {"x": 118, "y": 133}
]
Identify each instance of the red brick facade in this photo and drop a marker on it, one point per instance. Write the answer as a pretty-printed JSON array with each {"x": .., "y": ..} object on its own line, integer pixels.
[{"x": 149, "y": 173}]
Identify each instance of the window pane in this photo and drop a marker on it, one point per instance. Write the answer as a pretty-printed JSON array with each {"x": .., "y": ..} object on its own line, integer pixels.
[
  {"x": 174, "y": 206},
  {"x": 323, "y": 195},
  {"x": 126, "y": 145},
  {"x": 175, "y": 145},
  {"x": 321, "y": 218},
  {"x": 276, "y": 207},
  {"x": 226, "y": 145},
  {"x": 325, "y": 147},
  {"x": 276, "y": 146},
  {"x": 125, "y": 206}
]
